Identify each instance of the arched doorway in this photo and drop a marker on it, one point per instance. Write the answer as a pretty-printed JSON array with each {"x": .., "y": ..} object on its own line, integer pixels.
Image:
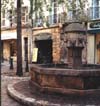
[{"x": 43, "y": 42}]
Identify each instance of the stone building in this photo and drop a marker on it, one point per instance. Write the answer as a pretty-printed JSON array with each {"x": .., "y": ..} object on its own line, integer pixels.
[
  {"x": 47, "y": 39},
  {"x": 9, "y": 42},
  {"x": 9, "y": 32}
]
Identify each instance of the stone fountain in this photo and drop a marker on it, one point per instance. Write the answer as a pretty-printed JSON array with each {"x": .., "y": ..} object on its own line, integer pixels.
[{"x": 74, "y": 77}]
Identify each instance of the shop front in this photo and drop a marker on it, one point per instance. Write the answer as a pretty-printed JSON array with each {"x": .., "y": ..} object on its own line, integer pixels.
[
  {"x": 8, "y": 45},
  {"x": 43, "y": 42},
  {"x": 94, "y": 41}
]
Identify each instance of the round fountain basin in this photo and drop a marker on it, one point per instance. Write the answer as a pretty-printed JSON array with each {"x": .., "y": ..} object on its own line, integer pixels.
[{"x": 47, "y": 78}]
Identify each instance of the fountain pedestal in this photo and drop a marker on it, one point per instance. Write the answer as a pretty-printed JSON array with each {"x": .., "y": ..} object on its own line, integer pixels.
[{"x": 75, "y": 57}]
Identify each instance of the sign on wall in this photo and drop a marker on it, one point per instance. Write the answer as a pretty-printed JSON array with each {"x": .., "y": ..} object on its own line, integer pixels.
[
  {"x": 35, "y": 55},
  {"x": 5, "y": 36},
  {"x": 94, "y": 25}
]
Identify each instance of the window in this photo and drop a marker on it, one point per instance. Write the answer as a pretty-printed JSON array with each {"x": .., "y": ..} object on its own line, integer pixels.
[
  {"x": 3, "y": 18},
  {"x": 95, "y": 9},
  {"x": 15, "y": 17},
  {"x": 53, "y": 14},
  {"x": 10, "y": 17},
  {"x": 25, "y": 16}
]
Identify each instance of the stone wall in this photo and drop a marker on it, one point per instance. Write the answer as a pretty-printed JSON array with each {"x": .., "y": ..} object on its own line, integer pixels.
[{"x": 26, "y": 32}]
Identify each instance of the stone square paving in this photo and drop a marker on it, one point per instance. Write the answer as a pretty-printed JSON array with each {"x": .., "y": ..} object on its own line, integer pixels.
[
  {"x": 5, "y": 80},
  {"x": 8, "y": 76}
]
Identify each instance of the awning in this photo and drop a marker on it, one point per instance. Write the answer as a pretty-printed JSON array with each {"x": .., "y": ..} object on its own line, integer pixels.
[
  {"x": 95, "y": 31},
  {"x": 6, "y": 36},
  {"x": 43, "y": 36}
]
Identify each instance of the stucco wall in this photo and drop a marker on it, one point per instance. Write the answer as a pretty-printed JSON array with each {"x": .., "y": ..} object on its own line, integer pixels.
[
  {"x": 6, "y": 43},
  {"x": 6, "y": 50},
  {"x": 90, "y": 49}
]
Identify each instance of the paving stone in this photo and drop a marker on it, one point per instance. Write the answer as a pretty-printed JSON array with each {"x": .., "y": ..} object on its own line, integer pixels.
[{"x": 7, "y": 79}]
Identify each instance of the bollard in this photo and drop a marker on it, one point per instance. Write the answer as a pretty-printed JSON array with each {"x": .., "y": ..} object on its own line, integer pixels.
[
  {"x": 26, "y": 66},
  {"x": 11, "y": 63}
]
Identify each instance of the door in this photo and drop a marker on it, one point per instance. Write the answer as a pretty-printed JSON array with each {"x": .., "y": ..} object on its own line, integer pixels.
[{"x": 90, "y": 49}]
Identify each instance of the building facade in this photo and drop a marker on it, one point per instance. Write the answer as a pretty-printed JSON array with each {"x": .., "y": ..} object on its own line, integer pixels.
[
  {"x": 47, "y": 31},
  {"x": 9, "y": 32},
  {"x": 93, "y": 48},
  {"x": 48, "y": 35}
]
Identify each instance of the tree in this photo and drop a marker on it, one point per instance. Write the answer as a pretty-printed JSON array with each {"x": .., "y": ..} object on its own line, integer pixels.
[
  {"x": 77, "y": 9},
  {"x": 37, "y": 9},
  {"x": 19, "y": 40},
  {"x": 0, "y": 37},
  {"x": 0, "y": 50},
  {"x": 74, "y": 10}
]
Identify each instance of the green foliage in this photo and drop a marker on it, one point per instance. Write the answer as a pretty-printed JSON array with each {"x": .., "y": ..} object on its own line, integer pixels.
[
  {"x": 37, "y": 8},
  {"x": 78, "y": 9},
  {"x": 8, "y": 5}
]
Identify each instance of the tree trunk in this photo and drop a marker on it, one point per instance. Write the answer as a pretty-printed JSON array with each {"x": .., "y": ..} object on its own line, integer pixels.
[
  {"x": 19, "y": 40},
  {"x": 31, "y": 31},
  {"x": 0, "y": 38},
  {"x": 55, "y": 12}
]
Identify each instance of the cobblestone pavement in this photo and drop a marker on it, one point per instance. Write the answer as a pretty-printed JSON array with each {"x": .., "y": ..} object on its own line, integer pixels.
[{"x": 5, "y": 80}]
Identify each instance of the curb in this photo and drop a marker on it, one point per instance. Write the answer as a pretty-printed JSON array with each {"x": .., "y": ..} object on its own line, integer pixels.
[
  {"x": 14, "y": 77},
  {"x": 24, "y": 99},
  {"x": 18, "y": 96},
  {"x": 27, "y": 101}
]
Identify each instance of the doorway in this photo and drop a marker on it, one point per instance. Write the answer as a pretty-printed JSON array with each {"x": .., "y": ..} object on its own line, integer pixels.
[
  {"x": 44, "y": 51},
  {"x": 13, "y": 46},
  {"x": 26, "y": 49}
]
